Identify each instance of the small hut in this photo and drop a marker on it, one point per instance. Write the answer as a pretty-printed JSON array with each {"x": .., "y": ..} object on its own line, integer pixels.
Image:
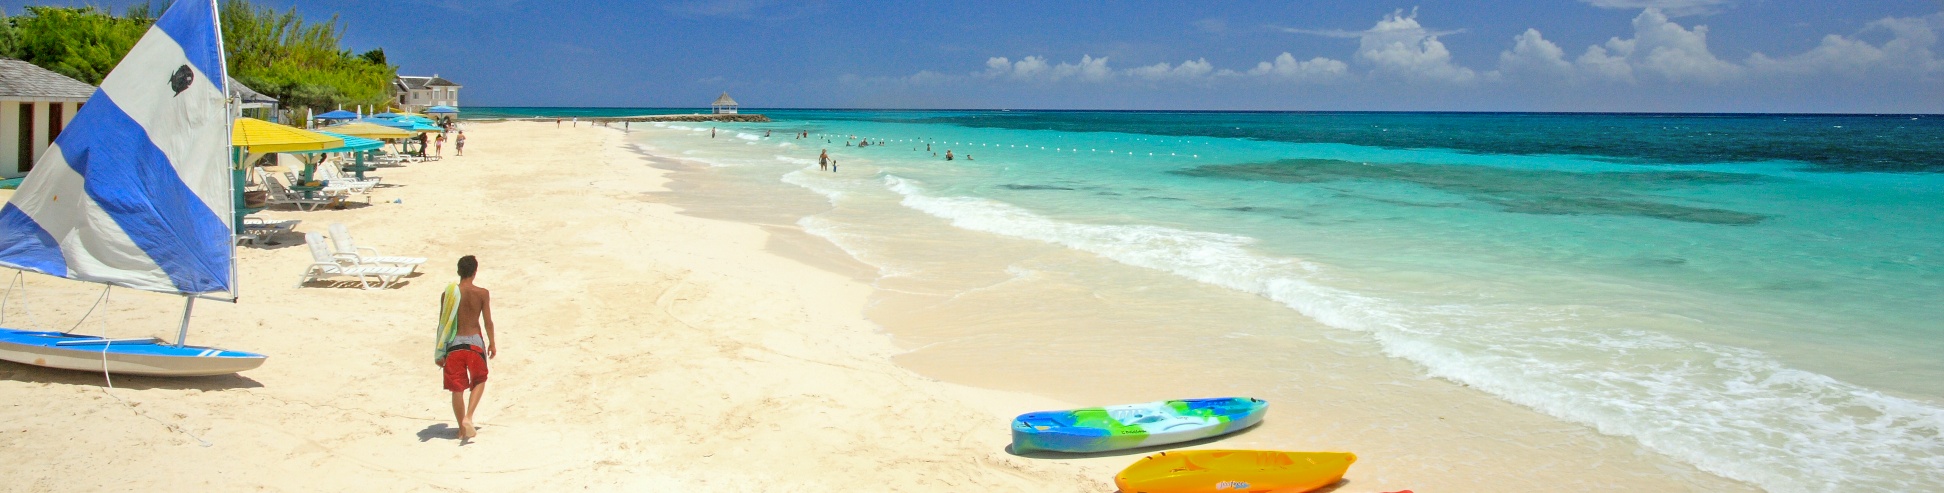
[
  {"x": 34, "y": 104},
  {"x": 723, "y": 105}
]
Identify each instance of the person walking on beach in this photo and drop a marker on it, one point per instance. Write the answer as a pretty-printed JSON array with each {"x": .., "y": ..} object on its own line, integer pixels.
[
  {"x": 465, "y": 310},
  {"x": 459, "y": 143},
  {"x": 438, "y": 145},
  {"x": 823, "y": 160}
]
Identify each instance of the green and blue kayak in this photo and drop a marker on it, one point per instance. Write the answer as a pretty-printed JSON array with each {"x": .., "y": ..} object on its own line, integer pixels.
[{"x": 1101, "y": 429}]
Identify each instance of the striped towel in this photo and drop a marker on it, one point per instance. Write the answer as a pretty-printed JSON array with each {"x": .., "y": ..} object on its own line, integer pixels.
[{"x": 448, "y": 323}]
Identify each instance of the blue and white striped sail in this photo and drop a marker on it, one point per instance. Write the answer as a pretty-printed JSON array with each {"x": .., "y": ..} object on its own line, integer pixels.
[{"x": 136, "y": 191}]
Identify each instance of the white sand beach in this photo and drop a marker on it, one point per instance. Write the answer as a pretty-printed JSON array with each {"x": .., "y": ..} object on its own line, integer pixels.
[{"x": 642, "y": 350}]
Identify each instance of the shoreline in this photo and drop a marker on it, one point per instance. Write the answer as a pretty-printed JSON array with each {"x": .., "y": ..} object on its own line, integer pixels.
[{"x": 1411, "y": 430}]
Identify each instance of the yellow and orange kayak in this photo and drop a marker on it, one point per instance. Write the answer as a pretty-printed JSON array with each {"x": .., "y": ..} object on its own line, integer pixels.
[{"x": 1234, "y": 471}]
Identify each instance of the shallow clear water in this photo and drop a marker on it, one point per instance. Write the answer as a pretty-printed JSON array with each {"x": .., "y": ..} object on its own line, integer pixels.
[{"x": 1754, "y": 295}]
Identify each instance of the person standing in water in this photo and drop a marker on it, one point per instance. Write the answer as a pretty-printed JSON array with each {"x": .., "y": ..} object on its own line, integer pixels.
[
  {"x": 948, "y": 154},
  {"x": 823, "y": 160}
]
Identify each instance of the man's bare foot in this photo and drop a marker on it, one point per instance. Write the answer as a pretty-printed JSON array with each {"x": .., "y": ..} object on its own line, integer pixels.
[{"x": 466, "y": 431}]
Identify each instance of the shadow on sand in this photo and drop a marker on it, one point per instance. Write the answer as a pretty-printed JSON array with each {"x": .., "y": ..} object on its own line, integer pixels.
[
  {"x": 34, "y": 374},
  {"x": 1132, "y": 451},
  {"x": 444, "y": 431}
]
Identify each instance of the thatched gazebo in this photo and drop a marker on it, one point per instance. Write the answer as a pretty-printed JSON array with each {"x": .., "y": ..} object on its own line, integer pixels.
[{"x": 723, "y": 105}]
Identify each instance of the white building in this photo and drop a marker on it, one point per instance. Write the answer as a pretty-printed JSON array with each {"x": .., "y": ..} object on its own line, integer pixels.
[
  {"x": 723, "y": 105},
  {"x": 35, "y": 104},
  {"x": 416, "y": 93}
]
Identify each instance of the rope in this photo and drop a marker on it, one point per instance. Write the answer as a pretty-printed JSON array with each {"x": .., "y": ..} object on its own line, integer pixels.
[
  {"x": 110, "y": 379},
  {"x": 19, "y": 279}
]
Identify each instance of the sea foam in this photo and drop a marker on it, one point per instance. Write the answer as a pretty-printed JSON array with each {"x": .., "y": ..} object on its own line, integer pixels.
[{"x": 1732, "y": 411}]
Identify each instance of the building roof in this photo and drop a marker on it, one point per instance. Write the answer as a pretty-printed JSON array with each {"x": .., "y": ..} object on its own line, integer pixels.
[
  {"x": 421, "y": 82},
  {"x": 20, "y": 79},
  {"x": 724, "y": 100}
]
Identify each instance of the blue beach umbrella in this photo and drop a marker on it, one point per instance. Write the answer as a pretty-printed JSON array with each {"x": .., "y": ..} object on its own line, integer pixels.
[
  {"x": 351, "y": 144},
  {"x": 442, "y": 110},
  {"x": 386, "y": 115},
  {"x": 338, "y": 115},
  {"x": 374, "y": 120}
]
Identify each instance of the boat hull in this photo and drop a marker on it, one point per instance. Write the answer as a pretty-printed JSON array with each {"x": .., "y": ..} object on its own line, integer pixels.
[
  {"x": 1101, "y": 429},
  {"x": 1228, "y": 471},
  {"x": 149, "y": 357}
]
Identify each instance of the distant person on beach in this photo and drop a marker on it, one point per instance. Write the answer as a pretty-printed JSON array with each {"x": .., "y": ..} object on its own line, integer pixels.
[
  {"x": 459, "y": 143},
  {"x": 711, "y": 132},
  {"x": 948, "y": 154},
  {"x": 556, "y": 123},
  {"x": 833, "y": 166},
  {"x": 823, "y": 160},
  {"x": 438, "y": 145},
  {"x": 464, "y": 310}
]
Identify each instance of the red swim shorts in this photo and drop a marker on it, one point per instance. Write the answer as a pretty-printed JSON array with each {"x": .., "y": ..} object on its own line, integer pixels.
[{"x": 464, "y": 369}]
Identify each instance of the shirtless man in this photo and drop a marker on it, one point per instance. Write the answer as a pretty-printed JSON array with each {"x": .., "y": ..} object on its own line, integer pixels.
[{"x": 465, "y": 369}]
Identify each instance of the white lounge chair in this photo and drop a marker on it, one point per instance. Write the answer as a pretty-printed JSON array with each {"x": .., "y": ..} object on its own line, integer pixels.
[
  {"x": 323, "y": 265},
  {"x": 346, "y": 248},
  {"x": 332, "y": 173},
  {"x": 281, "y": 195},
  {"x": 257, "y": 229},
  {"x": 334, "y": 190}
]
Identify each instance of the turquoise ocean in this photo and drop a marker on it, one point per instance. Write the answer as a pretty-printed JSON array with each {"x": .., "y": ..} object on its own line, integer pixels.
[{"x": 1758, "y": 296}]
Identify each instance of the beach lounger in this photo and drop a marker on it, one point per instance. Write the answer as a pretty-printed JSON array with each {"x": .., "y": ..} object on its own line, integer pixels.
[
  {"x": 344, "y": 189},
  {"x": 334, "y": 174},
  {"x": 256, "y": 229},
  {"x": 346, "y": 248},
  {"x": 323, "y": 265},
  {"x": 280, "y": 195}
]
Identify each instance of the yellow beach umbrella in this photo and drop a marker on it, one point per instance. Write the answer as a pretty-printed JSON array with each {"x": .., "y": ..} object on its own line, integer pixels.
[
  {"x": 369, "y": 131},
  {"x": 263, "y": 137}
]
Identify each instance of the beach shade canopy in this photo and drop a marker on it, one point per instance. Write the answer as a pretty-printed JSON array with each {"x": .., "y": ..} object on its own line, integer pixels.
[
  {"x": 262, "y": 137},
  {"x": 351, "y": 144},
  {"x": 337, "y": 115},
  {"x": 442, "y": 110},
  {"x": 369, "y": 131},
  {"x": 424, "y": 127},
  {"x": 387, "y": 115}
]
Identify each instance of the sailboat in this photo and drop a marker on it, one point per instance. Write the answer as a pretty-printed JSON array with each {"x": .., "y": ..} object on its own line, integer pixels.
[{"x": 138, "y": 193}]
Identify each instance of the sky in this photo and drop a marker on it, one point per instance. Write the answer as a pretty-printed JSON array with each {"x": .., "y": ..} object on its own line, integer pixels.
[{"x": 1860, "y": 56}]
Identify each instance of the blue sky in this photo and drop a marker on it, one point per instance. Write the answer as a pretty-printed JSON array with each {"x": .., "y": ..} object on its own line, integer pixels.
[{"x": 1464, "y": 55}]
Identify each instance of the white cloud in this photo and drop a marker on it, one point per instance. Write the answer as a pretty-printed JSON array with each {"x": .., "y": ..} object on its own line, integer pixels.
[
  {"x": 1315, "y": 69},
  {"x": 1089, "y": 69},
  {"x": 1036, "y": 68},
  {"x": 1188, "y": 70},
  {"x": 1677, "y": 8},
  {"x": 1660, "y": 49},
  {"x": 1910, "y": 48},
  {"x": 1400, "y": 46},
  {"x": 1531, "y": 53}
]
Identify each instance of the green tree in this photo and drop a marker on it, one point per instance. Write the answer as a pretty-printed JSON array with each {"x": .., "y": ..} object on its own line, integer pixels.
[{"x": 279, "y": 54}]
